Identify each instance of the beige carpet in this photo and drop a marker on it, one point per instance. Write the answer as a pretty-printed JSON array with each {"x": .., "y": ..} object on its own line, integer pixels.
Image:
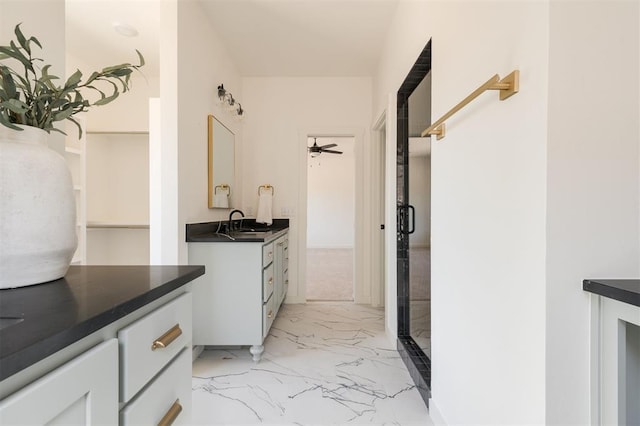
[{"x": 330, "y": 274}]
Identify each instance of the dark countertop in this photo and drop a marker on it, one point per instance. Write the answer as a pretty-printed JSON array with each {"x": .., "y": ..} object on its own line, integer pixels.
[
  {"x": 53, "y": 315},
  {"x": 627, "y": 291},
  {"x": 251, "y": 232}
]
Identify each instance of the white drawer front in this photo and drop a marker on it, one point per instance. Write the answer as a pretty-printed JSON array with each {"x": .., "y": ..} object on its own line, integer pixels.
[
  {"x": 267, "y": 283},
  {"x": 139, "y": 360},
  {"x": 82, "y": 391},
  {"x": 171, "y": 387},
  {"x": 267, "y": 254},
  {"x": 268, "y": 314}
]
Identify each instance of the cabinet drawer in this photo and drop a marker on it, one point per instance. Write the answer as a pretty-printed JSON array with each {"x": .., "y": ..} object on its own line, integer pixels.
[
  {"x": 267, "y": 254},
  {"x": 285, "y": 286},
  {"x": 140, "y": 356},
  {"x": 161, "y": 398},
  {"x": 82, "y": 391},
  {"x": 268, "y": 313},
  {"x": 267, "y": 283}
]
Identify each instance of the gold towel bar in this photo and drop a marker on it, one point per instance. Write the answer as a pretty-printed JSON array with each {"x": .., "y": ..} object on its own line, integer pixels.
[
  {"x": 508, "y": 86},
  {"x": 267, "y": 187}
]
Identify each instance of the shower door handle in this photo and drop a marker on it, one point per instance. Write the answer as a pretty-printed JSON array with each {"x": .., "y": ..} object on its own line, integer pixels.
[
  {"x": 409, "y": 212},
  {"x": 412, "y": 215}
]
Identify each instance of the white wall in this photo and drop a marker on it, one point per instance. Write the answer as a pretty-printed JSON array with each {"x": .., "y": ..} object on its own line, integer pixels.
[
  {"x": 592, "y": 182},
  {"x": 282, "y": 112},
  {"x": 203, "y": 64},
  {"x": 521, "y": 212},
  {"x": 47, "y": 25},
  {"x": 488, "y": 204},
  {"x": 331, "y": 196},
  {"x": 117, "y": 178}
]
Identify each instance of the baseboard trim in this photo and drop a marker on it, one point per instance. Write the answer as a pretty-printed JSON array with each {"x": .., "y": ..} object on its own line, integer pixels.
[
  {"x": 195, "y": 352},
  {"x": 435, "y": 414}
]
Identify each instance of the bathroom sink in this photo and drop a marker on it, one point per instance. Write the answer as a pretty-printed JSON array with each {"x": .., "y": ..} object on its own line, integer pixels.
[
  {"x": 250, "y": 233},
  {"x": 253, "y": 230},
  {"x": 9, "y": 321}
]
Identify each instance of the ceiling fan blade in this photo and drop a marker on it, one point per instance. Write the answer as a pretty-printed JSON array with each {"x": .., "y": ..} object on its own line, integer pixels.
[
  {"x": 330, "y": 151},
  {"x": 331, "y": 145}
]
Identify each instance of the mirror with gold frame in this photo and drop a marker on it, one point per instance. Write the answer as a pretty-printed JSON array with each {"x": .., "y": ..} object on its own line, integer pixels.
[{"x": 221, "y": 164}]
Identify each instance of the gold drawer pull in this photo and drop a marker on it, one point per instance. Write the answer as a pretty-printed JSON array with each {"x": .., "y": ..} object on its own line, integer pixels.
[
  {"x": 286, "y": 281},
  {"x": 270, "y": 314},
  {"x": 171, "y": 415},
  {"x": 270, "y": 254},
  {"x": 166, "y": 339},
  {"x": 270, "y": 280}
]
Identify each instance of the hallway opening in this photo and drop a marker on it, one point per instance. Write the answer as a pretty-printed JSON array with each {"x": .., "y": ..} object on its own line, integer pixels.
[{"x": 330, "y": 219}]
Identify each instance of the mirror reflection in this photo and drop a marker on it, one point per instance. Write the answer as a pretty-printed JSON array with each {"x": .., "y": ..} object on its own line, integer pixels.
[{"x": 221, "y": 164}]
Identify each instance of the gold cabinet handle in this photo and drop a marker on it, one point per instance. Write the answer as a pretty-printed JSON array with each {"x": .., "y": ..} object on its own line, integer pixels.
[
  {"x": 171, "y": 415},
  {"x": 270, "y": 314},
  {"x": 270, "y": 254},
  {"x": 271, "y": 281},
  {"x": 166, "y": 339},
  {"x": 286, "y": 281}
]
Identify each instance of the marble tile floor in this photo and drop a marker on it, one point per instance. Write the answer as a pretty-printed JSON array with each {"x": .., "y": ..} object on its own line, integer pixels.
[{"x": 324, "y": 364}]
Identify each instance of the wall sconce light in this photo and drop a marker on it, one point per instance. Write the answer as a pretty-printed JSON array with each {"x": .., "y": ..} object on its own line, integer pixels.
[{"x": 226, "y": 99}]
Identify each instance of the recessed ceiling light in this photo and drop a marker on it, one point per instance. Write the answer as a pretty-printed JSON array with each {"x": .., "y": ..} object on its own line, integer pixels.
[{"x": 125, "y": 29}]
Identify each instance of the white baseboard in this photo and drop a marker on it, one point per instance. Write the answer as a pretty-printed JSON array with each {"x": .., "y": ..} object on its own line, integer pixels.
[
  {"x": 195, "y": 352},
  {"x": 435, "y": 415}
]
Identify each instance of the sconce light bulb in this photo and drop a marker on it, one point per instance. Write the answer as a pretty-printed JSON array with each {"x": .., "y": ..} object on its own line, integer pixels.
[{"x": 222, "y": 93}]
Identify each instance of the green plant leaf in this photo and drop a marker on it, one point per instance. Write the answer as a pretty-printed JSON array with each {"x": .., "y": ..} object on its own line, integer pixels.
[
  {"x": 21, "y": 39},
  {"x": 14, "y": 53},
  {"x": 140, "y": 58},
  {"x": 15, "y": 105},
  {"x": 106, "y": 100},
  {"x": 73, "y": 80},
  {"x": 63, "y": 113},
  {"x": 5, "y": 121},
  {"x": 74, "y": 121},
  {"x": 7, "y": 82}
]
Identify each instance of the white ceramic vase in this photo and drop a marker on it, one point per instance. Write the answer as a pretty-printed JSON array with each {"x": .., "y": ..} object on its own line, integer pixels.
[{"x": 37, "y": 210}]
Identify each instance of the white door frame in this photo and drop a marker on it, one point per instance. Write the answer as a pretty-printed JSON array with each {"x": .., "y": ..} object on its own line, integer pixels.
[
  {"x": 362, "y": 289},
  {"x": 377, "y": 260}
]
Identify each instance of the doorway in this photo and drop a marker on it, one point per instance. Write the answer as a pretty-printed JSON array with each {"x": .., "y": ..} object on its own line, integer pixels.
[{"x": 330, "y": 218}]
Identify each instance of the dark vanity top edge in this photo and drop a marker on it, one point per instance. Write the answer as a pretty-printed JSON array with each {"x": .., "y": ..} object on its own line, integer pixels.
[
  {"x": 59, "y": 313},
  {"x": 205, "y": 232},
  {"x": 623, "y": 290}
]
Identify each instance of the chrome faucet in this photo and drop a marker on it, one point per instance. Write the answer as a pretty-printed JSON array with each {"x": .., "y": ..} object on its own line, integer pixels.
[{"x": 231, "y": 218}]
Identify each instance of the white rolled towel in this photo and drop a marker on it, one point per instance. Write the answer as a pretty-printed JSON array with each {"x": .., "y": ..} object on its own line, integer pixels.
[
  {"x": 221, "y": 199},
  {"x": 265, "y": 202}
]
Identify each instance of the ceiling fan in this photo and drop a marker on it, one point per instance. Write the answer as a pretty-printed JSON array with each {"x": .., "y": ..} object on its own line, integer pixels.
[{"x": 316, "y": 150}]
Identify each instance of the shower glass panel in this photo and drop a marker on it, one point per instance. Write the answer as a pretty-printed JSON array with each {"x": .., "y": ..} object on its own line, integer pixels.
[
  {"x": 420, "y": 199},
  {"x": 414, "y": 222}
]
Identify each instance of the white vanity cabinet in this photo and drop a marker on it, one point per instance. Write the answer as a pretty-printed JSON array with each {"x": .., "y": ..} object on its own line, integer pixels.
[
  {"x": 282, "y": 267},
  {"x": 236, "y": 301},
  {"x": 137, "y": 371},
  {"x": 82, "y": 391}
]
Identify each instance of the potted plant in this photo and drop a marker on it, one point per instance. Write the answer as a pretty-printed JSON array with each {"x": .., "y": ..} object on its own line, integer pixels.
[{"x": 37, "y": 203}]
